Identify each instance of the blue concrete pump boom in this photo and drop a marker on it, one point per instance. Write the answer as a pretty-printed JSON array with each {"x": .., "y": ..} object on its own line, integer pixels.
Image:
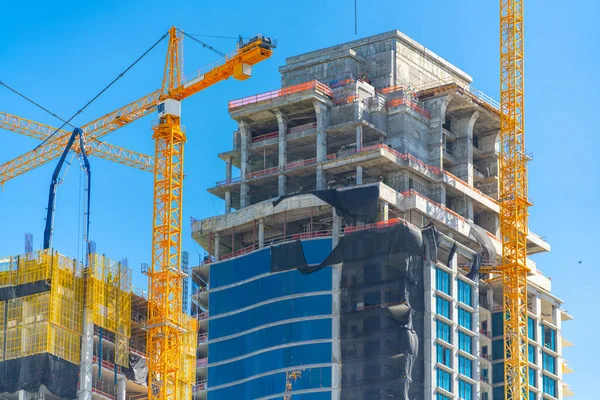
[{"x": 54, "y": 186}]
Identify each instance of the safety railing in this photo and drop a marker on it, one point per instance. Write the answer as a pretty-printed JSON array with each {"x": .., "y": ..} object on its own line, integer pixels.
[
  {"x": 487, "y": 357},
  {"x": 200, "y": 385},
  {"x": 484, "y": 379},
  {"x": 300, "y": 163},
  {"x": 202, "y": 362},
  {"x": 229, "y": 181},
  {"x": 265, "y": 136},
  {"x": 340, "y": 82},
  {"x": 201, "y": 316},
  {"x": 101, "y": 394},
  {"x": 284, "y": 91},
  {"x": 346, "y": 100},
  {"x": 407, "y": 102},
  {"x": 275, "y": 134},
  {"x": 485, "y": 332},
  {"x": 482, "y": 96}
]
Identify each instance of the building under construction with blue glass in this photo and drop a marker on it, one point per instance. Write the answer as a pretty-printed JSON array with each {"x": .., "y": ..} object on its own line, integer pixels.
[{"x": 348, "y": 261}]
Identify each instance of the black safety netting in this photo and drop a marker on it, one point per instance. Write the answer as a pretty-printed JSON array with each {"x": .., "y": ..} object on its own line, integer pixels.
[
  {"x": 28, "y": 373},
  {"x": 381, "y": 307}
]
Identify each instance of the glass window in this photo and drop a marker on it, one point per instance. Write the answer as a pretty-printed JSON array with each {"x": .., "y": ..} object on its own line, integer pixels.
[
  {"x": 531, "y": 328},
  {"x": 443, "y": 331},
  {"x": 464, "y": 342},
  {"x": 442, "y": 307},
  {"x": 442, "y": 281},
  {"x": 549, "y": 337},
  {"x": 444, "y": 380},
  {"x": 465, "y": 318},
  {"x": 498, "y": 375},
  {"x": 464, "y": 292},
  {"x": 532, "y": 395},
  {"x": 497, "y": 324},
  {"x": 531, "y": 352},
  {"x": 549, "y": 363},
  {"x": 533, "y": 377},
  {"x": 440, "y": 396},
  {"x": 549, "y": 385},
  {"x": 498, "y": 350},
  {"x": 465, "y": 390},
  {"x": 444, "y": 356},
  {"x": 465, "y": 366}
]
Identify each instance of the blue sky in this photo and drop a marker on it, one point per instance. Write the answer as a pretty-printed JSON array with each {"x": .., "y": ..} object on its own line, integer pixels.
[{"x": 62, "y": 53}]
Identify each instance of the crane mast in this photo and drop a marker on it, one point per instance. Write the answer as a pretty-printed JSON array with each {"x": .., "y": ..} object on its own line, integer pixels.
[
  {"x": 167, "y": 325},
  {"x": 514, "y": 201}
]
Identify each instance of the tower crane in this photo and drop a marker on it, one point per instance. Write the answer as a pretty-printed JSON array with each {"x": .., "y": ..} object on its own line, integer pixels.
[
  {"x": 514, "y": 202},
  {"x": 165, "y": 317},
  {"x": 166, "y": 322}
]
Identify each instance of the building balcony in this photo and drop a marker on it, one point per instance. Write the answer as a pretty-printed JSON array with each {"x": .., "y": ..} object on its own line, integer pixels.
[{"x": 567, "y": 392}]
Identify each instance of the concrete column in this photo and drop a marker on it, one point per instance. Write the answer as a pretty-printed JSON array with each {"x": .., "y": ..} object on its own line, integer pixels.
[
  {"x": 336, "y": 229},
  {"x": 359, "y": 137},
  {"x": 441, "y": 189},
  {"x": 261, "y": 233},
  {"x": 322, "y": 113},
  {"x": 463, "y": 128},
  {"x": 22, "y": 395},
  {"x": 359, "y": 175},
  {"x": 217, "y": 246},
  {"x": 246, "y": 137},
  {"x": 227, "y": 202},
  {"x": 87, "y": 353},
  {"x": 282, "y": 124},
  {"x": 121, "y": 387},
  {"x": 244, "y": 195},
  {"x": 437, "y": 107},
  {"x": 228, "y": 165}
]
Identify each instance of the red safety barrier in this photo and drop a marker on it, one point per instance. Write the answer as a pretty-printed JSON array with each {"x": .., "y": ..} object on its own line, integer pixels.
[
  {"x": 266, "y": 136},
  {"x": 346, "y": 100},
  {"x": 411, "y": 104},
  {"x": 311, "y": 85}
]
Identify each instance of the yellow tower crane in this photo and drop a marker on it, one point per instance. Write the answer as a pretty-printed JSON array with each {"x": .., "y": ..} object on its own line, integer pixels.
[
  {"x": 168, "y": 329},
  {"x": 166, "y": 325},
  {"x": 514, "y": 202}
]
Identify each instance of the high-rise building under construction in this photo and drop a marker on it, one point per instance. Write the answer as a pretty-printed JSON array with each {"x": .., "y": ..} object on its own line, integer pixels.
[{"x": 349, "y": 262}]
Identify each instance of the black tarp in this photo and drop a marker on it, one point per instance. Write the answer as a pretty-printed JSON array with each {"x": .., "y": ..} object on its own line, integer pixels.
[
  {"x": 137, "y": 371},
  {"x": 26, "y": 289},
  {"x": 355, "y": 205},
  {"x": 27, "y": 373},
  {"x": 381, "y": 307}
]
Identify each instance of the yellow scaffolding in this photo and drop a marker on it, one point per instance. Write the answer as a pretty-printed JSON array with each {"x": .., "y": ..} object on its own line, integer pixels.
[
  {"x": 43, "y": 322},
  {"x": 52, "y": 321},
  {"x": 109, "y": 296}
]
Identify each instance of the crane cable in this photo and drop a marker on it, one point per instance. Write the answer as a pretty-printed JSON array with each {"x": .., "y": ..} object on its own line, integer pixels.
[
  {"x": 206, "y": 45},
  {"x": 67, "y": 122},
  {"x": 34, "y": 103}
]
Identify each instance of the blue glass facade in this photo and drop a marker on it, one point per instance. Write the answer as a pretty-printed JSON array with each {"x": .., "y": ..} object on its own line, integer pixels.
[{"x": 263, "y": 324}]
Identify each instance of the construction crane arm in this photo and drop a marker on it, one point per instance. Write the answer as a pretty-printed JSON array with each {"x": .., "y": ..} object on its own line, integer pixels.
[
  {"x": 239, "y": 65},
  {"x": 52, "y": 149}
]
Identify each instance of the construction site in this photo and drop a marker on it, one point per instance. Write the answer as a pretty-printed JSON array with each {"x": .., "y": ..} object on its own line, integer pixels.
[{"x": 374, "y": 242}]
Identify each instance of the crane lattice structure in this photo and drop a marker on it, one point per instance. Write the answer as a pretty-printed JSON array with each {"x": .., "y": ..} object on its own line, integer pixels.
[
  {"x": 170, "y": 333},
  {"x": 514, "y": 202}
]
